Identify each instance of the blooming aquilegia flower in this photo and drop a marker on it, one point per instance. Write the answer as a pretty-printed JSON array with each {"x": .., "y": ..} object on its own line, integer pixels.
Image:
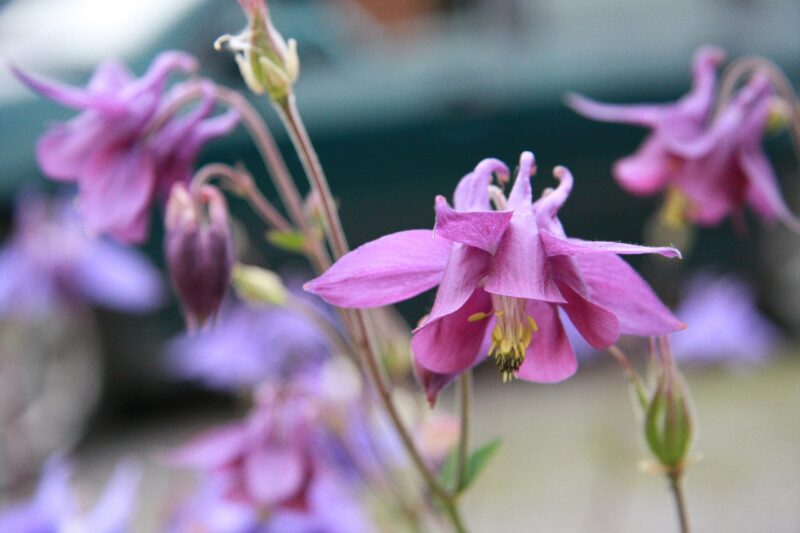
[
  {"x": 727, "y": 328},
  {"x": 120, "y": 150},
  {"x": 502, "y": 275},
  {"x": 199, "y": 250},
  {"x": 710, "y": 169},
  {"x": 50, "y": 260},
  {"x": 55, "y": 506}
]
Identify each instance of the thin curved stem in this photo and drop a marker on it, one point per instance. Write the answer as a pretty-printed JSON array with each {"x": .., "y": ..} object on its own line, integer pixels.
[
  {"x": 631, "y": 375},
  {"x": 303, "y": 308},
  {"x": 464, "y": 395},
  {"x": 676, "y": 487},
  {"x": 241, "y": 182}
]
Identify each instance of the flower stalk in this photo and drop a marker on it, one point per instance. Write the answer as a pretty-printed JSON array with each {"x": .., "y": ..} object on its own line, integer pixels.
[{"x": 464, "y": 397}]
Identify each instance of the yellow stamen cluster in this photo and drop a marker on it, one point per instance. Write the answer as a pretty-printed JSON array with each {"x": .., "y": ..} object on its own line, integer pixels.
[
  {"x": 674, "y": 211},
  {"x": 511, "y": 335}
]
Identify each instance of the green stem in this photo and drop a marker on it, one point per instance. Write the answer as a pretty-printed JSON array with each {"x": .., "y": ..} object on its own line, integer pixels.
[
  {"x": 357, "y": 320},
  {"x": 464, "y": 393},
  {"x": 676, "y": 487}
]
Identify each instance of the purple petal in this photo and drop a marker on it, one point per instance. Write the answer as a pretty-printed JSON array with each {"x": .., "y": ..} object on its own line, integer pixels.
[
  {"x": 387, "y": 270},
  {"x": 614, "y": 285},
  {"x": 67, "y": 95},
  {"x": 472, "y": 191},
  {"x": 65, "y": 148},
  {"x": 481, "y": 229},
  {"x": 118, "y": 278},
  {"x": 646, "y": 171},
  {"x": 452, "y": 343},
  {"x": 273, "y": 474},
  {"x": 549, "y": 357},
  {"x": 547, "y": 206},
  {"x": 521, "y": 267},
  {"x": 556, "y": 246},
  {"x": 161, "y": 67},
  {"x": 109, "y": 77},
  {"x": 113, "y": 511}
]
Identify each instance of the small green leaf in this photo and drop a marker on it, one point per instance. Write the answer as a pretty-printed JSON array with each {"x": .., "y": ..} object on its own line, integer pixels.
[
  {"x": 290, "y": 241},
  {"x": 477, "y": 461}
]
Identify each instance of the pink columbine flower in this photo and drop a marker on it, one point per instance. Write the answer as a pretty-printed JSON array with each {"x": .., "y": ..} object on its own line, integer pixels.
[
  {"x": 199, "y": 250},
  {"x": 120, "y": 150},
  {"x": 502, "y": 275},
  {"x": 710, "y": 168}
]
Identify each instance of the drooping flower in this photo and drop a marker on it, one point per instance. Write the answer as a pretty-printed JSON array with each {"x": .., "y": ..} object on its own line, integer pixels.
[
  {"x": 55, "y": 506},
  {"x": 727, "y": 328},
  {"x": 50, "y": 261},
  {"x": 120, "y": 150},
  {"x": 502, "y": 276},
  {"x": 710, "y": 169},
  {"x": 199, "y": 250},
  {"x": 271, "y": 463}
]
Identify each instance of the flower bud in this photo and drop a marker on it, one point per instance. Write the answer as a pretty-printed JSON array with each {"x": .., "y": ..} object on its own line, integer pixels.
[
  {"x": 199, "y": 250},
  {"x": 668, "y": 420},
  {"x": 258, "y": 285},
  {"x": 268, "y": 62}
]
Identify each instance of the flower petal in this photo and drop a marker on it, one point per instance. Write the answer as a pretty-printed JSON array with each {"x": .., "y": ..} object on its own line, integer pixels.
[
  {"x": 451, "y": 344},
  {"x": 613, "y": 284},
  {"x": 213, "y": 449},
  {"x": 65, "y": 148},
  {"x": 556, "y": 246},
  {"x": 471, "y": 192},
  {"x": 596, "y": 324},
  {"x": 464, "y": 271},
  {"x": 387, "y": 270},
  {"x": 549, "y": 357},
  {"x": 547, "y": 206},
  {"x": 113, "y": 511},
  {"x": 639, "y": 115},
  {"x": 646, "y": 171},
  {"x": 116, "y": 188},
  {"x": 481, "y": 229},
  {"x": 273, "y": 474},
  {"x": 67, "y": 95},
  {"x": 521, "y": 268},
  {"x": 521, "y": 196},
  {"x": 763, "y": 193}
]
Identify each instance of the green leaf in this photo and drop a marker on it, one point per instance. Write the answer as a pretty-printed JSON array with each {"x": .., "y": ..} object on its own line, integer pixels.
[
  {"x": 477, "y": 461},
  {"x": 290, "y": 241}
]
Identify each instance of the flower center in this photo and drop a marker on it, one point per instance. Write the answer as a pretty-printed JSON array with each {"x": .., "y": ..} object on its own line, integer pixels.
[{"x": 511, "y": 335}]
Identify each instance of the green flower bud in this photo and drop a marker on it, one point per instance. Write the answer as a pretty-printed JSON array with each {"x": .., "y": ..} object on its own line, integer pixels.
[
  {"x": 258, "y": 285},
  {"x": 668, "y": 420}
]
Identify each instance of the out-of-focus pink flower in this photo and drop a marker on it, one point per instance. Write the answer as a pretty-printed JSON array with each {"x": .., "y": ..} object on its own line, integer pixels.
[
  {"x": 55, "y": 507},
  {"x": 199, "y": 250},
  {"x": 726, "y": 327},
  {"x": 712, "y": 168},
  {"x": 118, "y": 150},
  {"x": 503, "y": 275},
  {"x": 49, "y": 261}
]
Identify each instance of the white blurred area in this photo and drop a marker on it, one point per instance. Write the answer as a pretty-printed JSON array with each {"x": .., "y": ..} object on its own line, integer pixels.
[{"x": 51, "y": 36}]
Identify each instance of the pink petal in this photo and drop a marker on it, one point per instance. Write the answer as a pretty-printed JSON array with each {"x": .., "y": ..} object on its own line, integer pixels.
[
  {"x": 213, "y": 449},
  {"x": 464, "y": 271},
  {"x": 481, "y": 229},
  {"x": 387, "y": 270},
  {"x": 65, "y": 148},
  {"x": 521, "y": 196},
  {"x": 556, "y": 246},
  {"x": 763, "y": 192},
  {"x": 547, "y": 206},
  {"x": 156, "y": 76},
  {"x": 67, "y": 95},
  {"x": 614, "y": 285},
  {"x": 597, "y": 325},
  {"x": 452, "y": 343},
  {"x": 521, "y": 268},
  {"x": 273, "y": 475},
  {"x": 550, "y": 357},
  {"x": 639, "y": 115},
  {"x": 116, "y": 188},
  {"x": 646, "y": 171},
  {"x": 471, "y": 193}
]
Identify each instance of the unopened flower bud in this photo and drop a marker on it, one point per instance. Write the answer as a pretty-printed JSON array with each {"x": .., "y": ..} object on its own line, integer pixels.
[
  {"x": 668, "y": 421},
  {"x": 199, "y": 250},
  {"x": 258, "y": 285},
  {"x": 780, "y": 115},
  {"x": 268, "y": 62}
]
